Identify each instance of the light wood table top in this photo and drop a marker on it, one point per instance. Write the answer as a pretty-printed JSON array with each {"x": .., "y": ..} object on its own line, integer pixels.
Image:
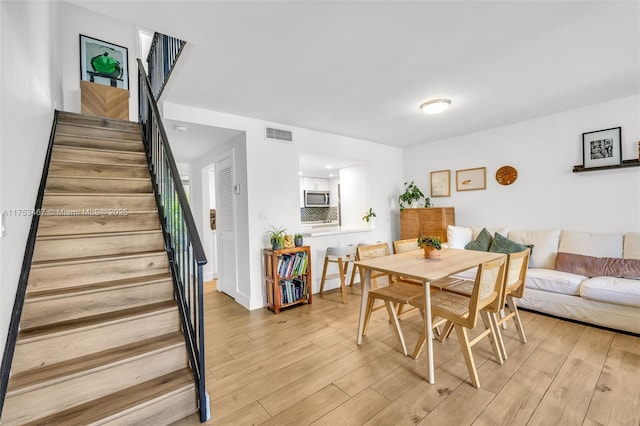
[{"x": 413, "y": 265}]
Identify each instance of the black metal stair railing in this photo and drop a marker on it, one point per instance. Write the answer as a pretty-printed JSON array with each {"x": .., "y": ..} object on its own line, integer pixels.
[
  {"x": 186, "y": 254},
  {"x": 163, "y": 54}
]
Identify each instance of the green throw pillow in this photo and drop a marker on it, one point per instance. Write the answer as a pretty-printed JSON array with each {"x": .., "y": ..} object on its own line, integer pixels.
[
  {"x": 482, "y": 243},
  {"x": 504, "y": 245}
]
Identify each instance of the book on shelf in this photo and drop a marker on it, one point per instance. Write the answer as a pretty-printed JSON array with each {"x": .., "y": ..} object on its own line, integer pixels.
[
  {"x": 300, "y": 288},
  {"x": 290, "y": 265},
  {"x": 292, "y": 290}
]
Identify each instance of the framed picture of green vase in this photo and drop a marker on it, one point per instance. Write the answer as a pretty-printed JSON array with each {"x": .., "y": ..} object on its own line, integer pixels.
[{"x": 103, "y": 63}]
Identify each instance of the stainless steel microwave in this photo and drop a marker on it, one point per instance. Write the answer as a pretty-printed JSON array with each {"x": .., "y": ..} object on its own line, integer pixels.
[{"x": 316, "y": 198}]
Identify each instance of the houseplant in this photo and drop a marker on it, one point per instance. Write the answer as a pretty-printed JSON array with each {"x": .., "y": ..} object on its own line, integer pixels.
[
  {"x": 298, "y": 240},
  {"x": 370, "y": 217},
  {"x": 276, "y": 236},
  {"x": 430, "y": 245},
  {"x": 412, "y": 195}
]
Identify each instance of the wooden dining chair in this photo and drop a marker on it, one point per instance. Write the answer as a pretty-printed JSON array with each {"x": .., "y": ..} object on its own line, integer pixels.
[
  {"x": 403, "y": 246},
  {"x": 382, "y": 249},
  {"x": 514, "y": 283},
  {"x": 463, "y": 312},
  {"x": 392, "y": 295}
]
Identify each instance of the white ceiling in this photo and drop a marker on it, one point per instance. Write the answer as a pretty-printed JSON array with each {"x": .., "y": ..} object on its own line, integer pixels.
[
  {"x": 362, "y": 68},
  {"x": 190, "y": 141}
]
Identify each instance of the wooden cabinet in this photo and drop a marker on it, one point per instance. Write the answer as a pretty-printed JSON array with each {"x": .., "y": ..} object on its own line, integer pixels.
[
  {"x": 287, "y": 277},
  {"x": 426, "y": 221}
]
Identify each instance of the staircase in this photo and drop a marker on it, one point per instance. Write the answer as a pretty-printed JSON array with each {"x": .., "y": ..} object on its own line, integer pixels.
[{"x": 100, "y": 340}]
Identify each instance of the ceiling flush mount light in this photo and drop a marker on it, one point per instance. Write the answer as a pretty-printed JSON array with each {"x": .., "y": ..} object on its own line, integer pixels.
[{"x": 435, "y": 106}]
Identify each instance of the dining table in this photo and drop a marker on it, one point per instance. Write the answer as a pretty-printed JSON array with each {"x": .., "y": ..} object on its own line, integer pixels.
[{"x": 414, "y": 265}]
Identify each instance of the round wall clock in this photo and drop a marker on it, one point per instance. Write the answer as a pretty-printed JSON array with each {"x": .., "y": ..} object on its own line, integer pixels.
[{"x": 506, "y": 175}]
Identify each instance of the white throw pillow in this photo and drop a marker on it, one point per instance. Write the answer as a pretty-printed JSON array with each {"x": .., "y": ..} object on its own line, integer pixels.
[
  {"x": 458, "y": 236},
  {"x": 591, "y": 244},
  {"x": 632, "y": 245},
  {"x": 545, "y": 246}
]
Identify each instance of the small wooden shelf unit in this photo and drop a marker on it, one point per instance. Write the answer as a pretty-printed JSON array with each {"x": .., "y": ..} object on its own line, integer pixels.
[{"x": 287, "y": 277}]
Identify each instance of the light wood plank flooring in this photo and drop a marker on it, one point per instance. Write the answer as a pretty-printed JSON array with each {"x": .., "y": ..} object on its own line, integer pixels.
[{"x": 303, "y": 367}]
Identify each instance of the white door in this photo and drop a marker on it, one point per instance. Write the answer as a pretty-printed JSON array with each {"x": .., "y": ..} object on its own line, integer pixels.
[{"x": 226, "y": 227}]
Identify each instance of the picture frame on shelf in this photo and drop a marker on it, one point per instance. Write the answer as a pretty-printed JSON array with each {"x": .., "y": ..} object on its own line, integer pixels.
[
  {"x": 104, "y": 63},
  {"x": 471, "y": 179},
  {"x": 602, "y": 148},
  {"x": 440, "y": 183}
]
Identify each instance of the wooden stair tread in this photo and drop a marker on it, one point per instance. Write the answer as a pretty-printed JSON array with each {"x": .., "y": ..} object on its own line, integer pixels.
[
  {"x": 132, "y": 131},
  {"x": 94, "y": 320},
  {"x": 91, "y": 288},
  {"x": 68, "y": 117},
  {"x": 100, "y": 234},
  {"x": 24, "y": 381},
  {"x": 90, "y": 259},
  {"x": 99, "y": 150},
  {"x": 121, "y": 401},
  {"x": 98, "y": 163},
  {"x": 97, "y": 137},
  {"x": 61, "y": 214},
  {"x": 93, "y": 178},
  {"x": 94, "y": 194}
]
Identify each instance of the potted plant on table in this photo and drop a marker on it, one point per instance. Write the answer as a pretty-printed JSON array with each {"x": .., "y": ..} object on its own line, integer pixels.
[
  {"x": 412, "y": 196},
  {"x": 298, "y": 240},
  {"x": 430, "y": 245},
  {"x": 276, "y": 236},
  {"x": 370, "y": 217}
]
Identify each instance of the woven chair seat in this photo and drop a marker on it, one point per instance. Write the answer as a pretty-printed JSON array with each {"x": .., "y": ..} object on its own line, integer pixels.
[
  {"x": 398, "y": 292},
  {"x": 464, "y": 287}
]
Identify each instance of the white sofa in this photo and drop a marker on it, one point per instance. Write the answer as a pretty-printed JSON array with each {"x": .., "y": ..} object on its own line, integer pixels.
[{"x": 555, "y": 287}]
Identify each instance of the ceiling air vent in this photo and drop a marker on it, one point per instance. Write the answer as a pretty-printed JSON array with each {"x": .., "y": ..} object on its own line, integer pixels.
[{"x": 279, "y": 135}]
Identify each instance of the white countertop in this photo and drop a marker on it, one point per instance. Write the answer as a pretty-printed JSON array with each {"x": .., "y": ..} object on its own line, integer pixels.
[{"x": 308, "y": 231}]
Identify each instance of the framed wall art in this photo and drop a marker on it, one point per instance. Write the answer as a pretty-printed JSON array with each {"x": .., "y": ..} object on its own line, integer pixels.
[
  {"x": 471, "y": 179},
  {"x": 103, "y": 63},
  {"x": 441, "y": 183},
  {"x": 602, "y": 147}
]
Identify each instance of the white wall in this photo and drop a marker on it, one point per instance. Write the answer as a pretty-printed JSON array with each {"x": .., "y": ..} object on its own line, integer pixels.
[
  {"x": 30, "y": 88},
  {"x": 74, "y": 21},
  {"x": 547, "y": 194},
  {"x": 270, "y": 190},
  {"x": 354, "y": 190}
]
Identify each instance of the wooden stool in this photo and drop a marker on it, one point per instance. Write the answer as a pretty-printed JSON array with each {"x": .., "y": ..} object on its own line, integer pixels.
[{"x": 342, "y": 256}]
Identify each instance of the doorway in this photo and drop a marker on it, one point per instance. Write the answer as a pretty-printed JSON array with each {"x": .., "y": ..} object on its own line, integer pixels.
[{"x": 225, "y": 224}]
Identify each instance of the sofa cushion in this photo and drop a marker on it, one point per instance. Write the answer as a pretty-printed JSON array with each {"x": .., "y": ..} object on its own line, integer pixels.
[
  {"x": 459, "y": 236},
  {"x": 620, "y": 291},
  {"x": 545, "y": 243},
  {"x": 502, "y": 244},
  {"x": 554, "y": 281},
  {"x": 469, "y": 274},
  {"x": 591, "y": 244},
  {"x": 475, "y": 231},
  {"x": 598, "y": 266},
  {"x": 481, "y": 243},
  {"x": 631, "y": 246}
]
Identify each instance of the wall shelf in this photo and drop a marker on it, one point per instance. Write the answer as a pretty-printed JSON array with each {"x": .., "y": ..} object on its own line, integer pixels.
[{"x": 625, "y": 163}]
